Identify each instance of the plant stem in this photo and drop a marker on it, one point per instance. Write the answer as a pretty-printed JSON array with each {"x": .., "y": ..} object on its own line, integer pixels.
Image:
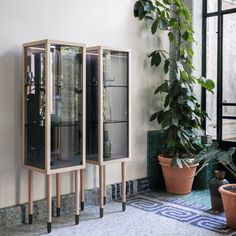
[{"x": 179, "y": 38}]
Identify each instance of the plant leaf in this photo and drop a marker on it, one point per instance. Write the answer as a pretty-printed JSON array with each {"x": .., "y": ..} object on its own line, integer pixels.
[
  {"x": 179, "y": 163},
  {"x": 166, "y": 66},
  {"x": 141, "y": 13},
  {"x": 137, "y": 5},
  {"x": 162, "y": 88},
  {"x": 154, "y": 27},
  {"x": 154, "y": 116},
  {"x": 187, "y": 14},
  {"x": 156, "y": 59},
  {"x": 185, "y": 35},
  {"x": 171, "y": 36},
  {"x": 175, "y": 120}
]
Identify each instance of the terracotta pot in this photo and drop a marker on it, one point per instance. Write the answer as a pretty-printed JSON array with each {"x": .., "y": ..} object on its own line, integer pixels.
[
  {"x": 177, "y": 180},
  {"x": 229, "y": 202}
]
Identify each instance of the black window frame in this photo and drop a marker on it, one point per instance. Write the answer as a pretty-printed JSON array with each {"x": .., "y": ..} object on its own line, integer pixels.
[{"x": 220, "y": 33}]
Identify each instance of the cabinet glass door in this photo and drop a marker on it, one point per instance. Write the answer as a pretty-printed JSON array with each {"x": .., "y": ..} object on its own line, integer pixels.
[
  {"x": 34, "y": 91},
  {"x": 115, "y": 104},
  {"x": 66, "y": 73},
  {"x": 92, "y": 58}
]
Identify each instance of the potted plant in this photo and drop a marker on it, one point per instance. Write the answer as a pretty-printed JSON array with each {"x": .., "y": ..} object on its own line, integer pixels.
[
  {"x": 228, "y": 194},
  {"x": 212, "y": 154},
  {"x": 181, "y": 114},
  {"x": 228, "y": 191}
]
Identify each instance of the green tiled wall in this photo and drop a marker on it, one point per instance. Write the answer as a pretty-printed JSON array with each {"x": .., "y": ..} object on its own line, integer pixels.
[{"x": 155, "y": 146}]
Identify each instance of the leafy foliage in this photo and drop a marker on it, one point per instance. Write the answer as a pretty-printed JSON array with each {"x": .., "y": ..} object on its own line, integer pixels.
[
  {"x": 182, "y": 114},
  {"x": 213, "y": 154}
]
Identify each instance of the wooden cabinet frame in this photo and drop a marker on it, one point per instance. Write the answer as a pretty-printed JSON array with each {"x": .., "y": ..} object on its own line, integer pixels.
[
  {"x": 47, "y": 168},
  {"x": 101, "y": 162}
]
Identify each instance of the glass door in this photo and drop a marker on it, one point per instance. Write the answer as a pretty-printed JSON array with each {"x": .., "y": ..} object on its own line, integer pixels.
[
  {"x": 228, "y": 77},
  {"x": 219, "y": 55},
  {"x": 115, "y": 105},
  {"x": 66, "y": 73}
]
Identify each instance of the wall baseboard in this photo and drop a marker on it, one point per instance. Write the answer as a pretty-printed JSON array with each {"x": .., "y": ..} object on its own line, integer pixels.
[{"x": 18, "y": 214}]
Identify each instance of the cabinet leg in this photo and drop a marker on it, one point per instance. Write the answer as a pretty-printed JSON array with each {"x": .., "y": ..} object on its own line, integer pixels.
[
  {"x": 81, "y": 190},
  {"x": 30, "y": 196},
  {"x": 49, "y": 202},
  {"x": 104, "y": 186},
  {"x": 58, "y": 197},
  {"x": 123, "y": 174},
  {"x": 101, "y": 189},
  {"x": 77, "y": 200}
]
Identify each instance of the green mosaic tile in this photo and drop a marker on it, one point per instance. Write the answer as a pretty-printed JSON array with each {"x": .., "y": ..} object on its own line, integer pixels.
[
  {"x": 16, "y": 215},
  {"x": 155, "y": 146}
]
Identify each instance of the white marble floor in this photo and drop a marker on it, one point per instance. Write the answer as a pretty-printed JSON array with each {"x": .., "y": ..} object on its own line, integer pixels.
[{"x": 133, "y": 222}]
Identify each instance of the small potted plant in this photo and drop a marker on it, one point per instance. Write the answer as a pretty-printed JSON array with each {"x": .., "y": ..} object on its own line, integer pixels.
[
  {"x": 211, "y": 154},
  {"x": 181, "y": 113},
  {"x": 228, "y": 191}
]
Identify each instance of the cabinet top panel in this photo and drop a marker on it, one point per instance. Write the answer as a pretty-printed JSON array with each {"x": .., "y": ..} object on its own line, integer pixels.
[
  {"x": 102, "y": 47},
  {"x": 50, "y": 41}
]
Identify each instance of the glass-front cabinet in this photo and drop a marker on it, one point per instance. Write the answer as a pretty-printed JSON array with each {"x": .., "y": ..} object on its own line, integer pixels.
[
  {"x": 54, "y": 106},
  {"x": 107, "y": 126},
  {"x": 107, "y": 113}
]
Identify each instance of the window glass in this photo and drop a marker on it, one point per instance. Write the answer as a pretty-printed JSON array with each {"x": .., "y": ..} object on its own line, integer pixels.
[{"x": 211, "y": 58}]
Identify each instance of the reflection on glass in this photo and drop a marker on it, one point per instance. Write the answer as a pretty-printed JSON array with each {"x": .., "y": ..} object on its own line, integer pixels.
[
  {"x": 118, "y": 102},
  {"x": 229, "y": 110},
  {"x": 35, "y": 105},
  {"x": 115, "y": 68},
  {"x": 118, "y": 138},
  {"x": 211, "y": 58},
  {"x": 212, "y": 5},
  {"x": 228, "y": 4},
  {"x": 107, "y": 145},
  {"x": 92, "y": 105},
  {"x": 229, "y": 130},
  {"x": 66, "y": 106},
  {"x": 115, "y": 104},
  {"x": 229, "y": 62}
]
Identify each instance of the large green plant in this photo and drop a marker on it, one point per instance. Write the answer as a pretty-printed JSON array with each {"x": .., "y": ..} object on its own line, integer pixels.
[{"x": 181, "y": 114}]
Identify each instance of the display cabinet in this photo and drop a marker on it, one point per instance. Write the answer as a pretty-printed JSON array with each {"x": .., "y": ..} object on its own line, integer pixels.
[
  {"x": 54, "y": 125},
  {"x": 107, "y": 112}
]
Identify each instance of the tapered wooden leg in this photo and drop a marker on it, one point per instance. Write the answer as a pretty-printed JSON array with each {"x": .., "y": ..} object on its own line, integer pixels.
[
  {"x": 77, "y": 201},
  {"x": 101, "y": 189},
  {"x": 104, "y": 186},
  {"x": 123, "y": 174},
  {"x": 58, "y": 196},
  {"x": 81, "y": 190},
  {"x": 49, "y": 202},
  {"x": 30, "y": 196}
]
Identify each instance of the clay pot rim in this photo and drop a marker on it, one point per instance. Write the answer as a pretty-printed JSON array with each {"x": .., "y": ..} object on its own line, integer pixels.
[
  {"x": 164, "y": 156},
  {"x": 168, "y": 159},
  {"x": 226, "y": 192}
]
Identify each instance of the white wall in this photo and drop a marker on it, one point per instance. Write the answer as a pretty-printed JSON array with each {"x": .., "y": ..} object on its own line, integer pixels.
[{"x": 108, "y": 22}]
